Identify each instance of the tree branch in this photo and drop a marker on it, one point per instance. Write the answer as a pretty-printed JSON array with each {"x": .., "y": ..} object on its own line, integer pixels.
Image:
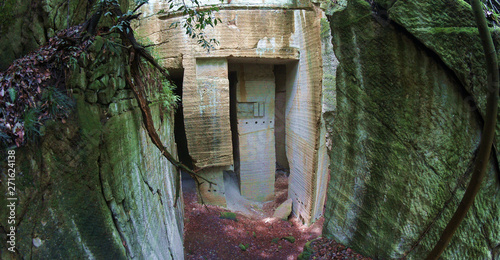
[
  {"x": 486, "y": 142},
  {"x": 138, "y": 89},
  {"x": 139, "y": 6},
  {"x": 136, "y": 52}
]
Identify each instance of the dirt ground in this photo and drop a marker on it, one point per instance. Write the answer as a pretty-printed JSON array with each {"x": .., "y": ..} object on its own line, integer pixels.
[{"x": 207, "y": 236}]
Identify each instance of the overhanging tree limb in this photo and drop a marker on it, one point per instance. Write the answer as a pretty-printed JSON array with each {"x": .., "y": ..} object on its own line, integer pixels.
[
  {"x": 487, "y": 136},
  {"x": 136, "y": 52},
  {"x": 138, "y": 88}
]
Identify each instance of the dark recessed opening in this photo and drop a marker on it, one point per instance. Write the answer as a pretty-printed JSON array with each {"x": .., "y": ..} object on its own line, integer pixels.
[
  {"x": 233, "y": 80},
  {"x": 279, "y": 117},
  {"x": 179, "y": 129}
]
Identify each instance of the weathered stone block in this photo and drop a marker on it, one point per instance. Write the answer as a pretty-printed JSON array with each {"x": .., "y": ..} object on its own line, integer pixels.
[
  {"x": 120, "y": 82},
  {"x": 78, "y": 79},
  {"x": 206, "y": 114},
  {"x": 104, "y": 95},
  {"x": 114, "y": 109},
  {"x": 213, "y": 194},
  {"x": 105, "y": 82},
  {"x": 94, "y": 85},
  {"x": 284, "y": 210},
  {"x": 123, "y": 94},
  {"x": 118, "y": 107},
  {"x": 256, "y": 87},
  {"x": 100, "y": 72},
  {"x": 90, "y": 96},
  {"x": 133, "y": 102}
]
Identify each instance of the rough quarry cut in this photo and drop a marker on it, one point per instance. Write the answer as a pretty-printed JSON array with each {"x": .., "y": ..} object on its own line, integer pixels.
[{"x": 229, "y": 96}]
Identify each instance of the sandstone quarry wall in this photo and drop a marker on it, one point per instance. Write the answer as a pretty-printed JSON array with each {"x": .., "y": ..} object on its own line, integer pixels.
[
  {"x": 96, "y": 187},
  {"x": 405, "y": 133},
  {"x": 284, "y": 32}
]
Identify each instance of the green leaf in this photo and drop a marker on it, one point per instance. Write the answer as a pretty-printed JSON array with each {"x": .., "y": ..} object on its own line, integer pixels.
[
  {"x": 244, "y": 247},
  {"x": 173, "y": 25},
  {"x": 12, "y": 94},
  {"x": 228, "y": 215}
]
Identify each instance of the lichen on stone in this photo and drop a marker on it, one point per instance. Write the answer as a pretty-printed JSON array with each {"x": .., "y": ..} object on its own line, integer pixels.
[{"x": 404, "y": 135}]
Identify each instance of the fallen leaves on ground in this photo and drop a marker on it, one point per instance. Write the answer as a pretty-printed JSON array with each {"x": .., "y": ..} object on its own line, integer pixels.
[
  {"x": 323, "y": 249},
  {"x": 28, "y": 87},
  {"x": 207, "y": 236}
]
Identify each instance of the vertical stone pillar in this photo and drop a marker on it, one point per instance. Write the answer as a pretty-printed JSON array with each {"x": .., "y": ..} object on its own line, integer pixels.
[
  {"x": 255, "y": 97},
  {"x": 206, "y": 117},
  {"x": 213, "y": 194}
]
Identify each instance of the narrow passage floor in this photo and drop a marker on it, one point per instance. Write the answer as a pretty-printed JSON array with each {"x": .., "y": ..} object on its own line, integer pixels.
[{"x": 254, "y": 234}]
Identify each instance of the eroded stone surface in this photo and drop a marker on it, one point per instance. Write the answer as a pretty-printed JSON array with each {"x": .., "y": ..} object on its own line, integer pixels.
[
  {"x": 403, "y": 136},
  {"x": 276, "y": 36},
  {"x": 284, "y": 210},
  {"x": 95, "y": 187}
]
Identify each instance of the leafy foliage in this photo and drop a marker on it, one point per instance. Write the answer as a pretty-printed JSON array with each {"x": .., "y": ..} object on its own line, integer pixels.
[
  {"x": 197, "y": 18},
  {"x": 228, "y": 215},
  {"x": 308, "y": 251},
  {"x": 56, "y": 102},
  {"x": 491, "y": 9},
  {"x": 31, "y": 123},
  {"x": 290, "y": 239},
  {"x": 160, "y": 90},
  {"x": 31, "y": 91},
  {"x": 167, "y": 96},
  {"x": 196, "y": 21},
  {"x": 325, "y": 28},
  {"x": 243, "y": 247},
  {"x": 492, "y": 5}
]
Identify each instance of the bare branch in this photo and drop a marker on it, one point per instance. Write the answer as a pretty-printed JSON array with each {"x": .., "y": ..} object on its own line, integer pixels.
[
  {"x": 136, "y": 52},
  {"x": 487, "y": 136}
]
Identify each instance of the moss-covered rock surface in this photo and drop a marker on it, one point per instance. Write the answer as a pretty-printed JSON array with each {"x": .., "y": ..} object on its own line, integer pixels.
[
  {"x": 94, "y": 186},
  {"x": 25, "y": 25},
  {"x": 406, "y": 130}
]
